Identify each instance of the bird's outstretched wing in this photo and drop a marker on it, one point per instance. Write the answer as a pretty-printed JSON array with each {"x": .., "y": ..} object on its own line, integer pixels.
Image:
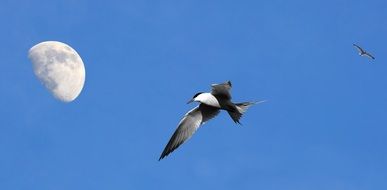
[
  {"x": 368, "y": 55},
  {"x": 361, "y": 51},
  {"x": 222, "y": 90},
  {"x": 188, "y": 126}
]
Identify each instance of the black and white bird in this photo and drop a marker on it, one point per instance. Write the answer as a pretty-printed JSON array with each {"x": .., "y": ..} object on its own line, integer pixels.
[
  {"x": 210, "y": 105},
  {"x": 362, "y": 52}
]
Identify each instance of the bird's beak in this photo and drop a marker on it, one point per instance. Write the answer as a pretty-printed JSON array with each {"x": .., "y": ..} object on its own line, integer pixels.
[{"x": 190, "y": 101}]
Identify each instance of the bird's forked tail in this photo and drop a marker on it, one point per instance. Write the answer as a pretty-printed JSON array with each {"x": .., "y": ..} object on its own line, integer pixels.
[{"x": 241, "y": 109}]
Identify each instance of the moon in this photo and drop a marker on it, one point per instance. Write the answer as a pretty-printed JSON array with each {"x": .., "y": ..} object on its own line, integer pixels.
[{"x": 60, "y": 68}]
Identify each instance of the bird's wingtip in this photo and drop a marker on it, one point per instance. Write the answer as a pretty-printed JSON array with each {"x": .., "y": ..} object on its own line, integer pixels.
[
  {"x": 229, "y": 83},
  {"x": 261, "y": 101}
]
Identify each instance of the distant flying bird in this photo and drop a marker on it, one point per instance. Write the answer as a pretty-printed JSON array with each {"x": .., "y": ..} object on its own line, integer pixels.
[
  {"x": 210, "y": 106},
  {"x": 362, "y": 52}
]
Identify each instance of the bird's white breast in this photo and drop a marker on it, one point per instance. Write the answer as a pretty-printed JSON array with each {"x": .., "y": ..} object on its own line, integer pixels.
[{"x": 208, "y": 99}]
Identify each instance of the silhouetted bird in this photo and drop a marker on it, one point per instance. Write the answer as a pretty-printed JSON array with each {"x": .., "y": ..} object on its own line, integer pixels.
[{"x": 362, "y": 52}]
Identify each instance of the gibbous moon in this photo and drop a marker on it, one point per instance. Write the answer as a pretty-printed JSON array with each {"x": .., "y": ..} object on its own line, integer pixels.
[{"x": 59, "y": 68}]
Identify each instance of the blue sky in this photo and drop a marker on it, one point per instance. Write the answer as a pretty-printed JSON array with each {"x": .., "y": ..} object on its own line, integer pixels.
[{"x": 324, "y": 126}]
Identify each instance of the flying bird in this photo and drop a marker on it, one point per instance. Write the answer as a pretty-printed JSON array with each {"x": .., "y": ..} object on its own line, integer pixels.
[
  {"x": 362, "y": 52},
  {"x": 210, "y": 105}
]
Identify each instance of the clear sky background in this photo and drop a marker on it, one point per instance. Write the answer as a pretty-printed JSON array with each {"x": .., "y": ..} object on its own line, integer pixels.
[{"x": 324, "y": 126}]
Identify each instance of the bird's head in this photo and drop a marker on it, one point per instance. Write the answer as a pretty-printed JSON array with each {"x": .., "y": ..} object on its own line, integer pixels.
[{"x": 196, "y": 98}]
